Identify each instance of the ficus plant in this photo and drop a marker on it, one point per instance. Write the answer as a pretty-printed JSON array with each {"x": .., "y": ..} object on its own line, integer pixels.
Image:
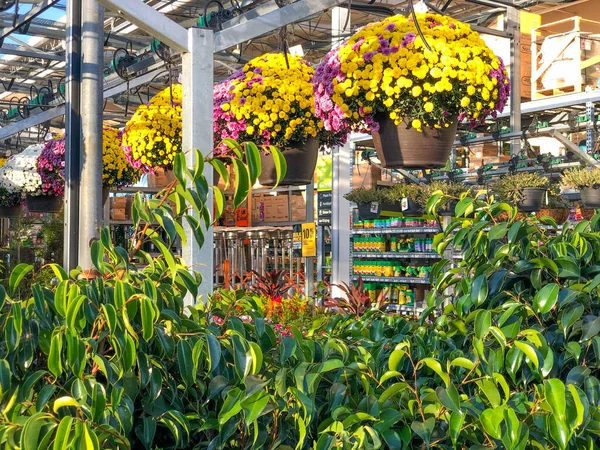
[{"x": 508, "y": 360}]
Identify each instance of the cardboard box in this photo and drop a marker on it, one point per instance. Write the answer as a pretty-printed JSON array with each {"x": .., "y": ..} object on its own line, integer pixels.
[
  {"x": 160, "y": 178},
  {"x": 118, "y": 214}
]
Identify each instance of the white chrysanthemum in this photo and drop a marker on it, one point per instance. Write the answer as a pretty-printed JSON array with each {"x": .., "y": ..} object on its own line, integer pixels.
[{"x": 20, "y": 172}]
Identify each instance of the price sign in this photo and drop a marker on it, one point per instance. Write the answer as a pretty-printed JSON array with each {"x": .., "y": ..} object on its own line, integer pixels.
[
  {"x": 309, "y": 240},
  {"x": 404, "y": 204},
  {"x": 374, "y": 207}
]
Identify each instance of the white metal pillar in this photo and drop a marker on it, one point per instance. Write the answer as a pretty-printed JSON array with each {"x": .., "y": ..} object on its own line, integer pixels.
[
  {"x": 340, "y": 216},
  {"x": 198, "y": 134},
  {"x": 514, "y": 29},
  {"x": 340, "y": 24},
  {"x": 90, "y": 191}
]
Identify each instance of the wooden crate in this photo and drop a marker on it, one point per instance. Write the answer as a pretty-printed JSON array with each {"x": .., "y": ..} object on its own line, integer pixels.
[{"x": 564, "y": 57}]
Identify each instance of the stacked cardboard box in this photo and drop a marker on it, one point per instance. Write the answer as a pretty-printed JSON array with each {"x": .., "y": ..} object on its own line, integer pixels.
[
  {"x": 299, "y": 208},
  {"x": 270, "y": 208},
  {"x": 160, "y": 178},
  {"x": 120, "y": 208}
]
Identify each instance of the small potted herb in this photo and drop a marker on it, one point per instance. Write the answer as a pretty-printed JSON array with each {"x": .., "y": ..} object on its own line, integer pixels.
[
  {"x": 588, "y": 183},
  {"x": 368, "y": 200},
  {"x": 411, "y": 192},
  {"x": 524, "y": 190}
]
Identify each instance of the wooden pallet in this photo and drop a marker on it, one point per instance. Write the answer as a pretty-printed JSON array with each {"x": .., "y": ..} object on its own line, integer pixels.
[{"x": 556, "y": 91}]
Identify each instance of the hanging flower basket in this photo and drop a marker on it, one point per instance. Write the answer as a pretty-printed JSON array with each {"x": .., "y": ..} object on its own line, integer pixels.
[
  {"x": 44, "y": 203},
  {"x": 590, "y": 197},
  {"x": 403, "y": 146},
  {"x": 11, "y": 211},
  {"x": 409, "y": 91},
  {"x": 531, "y": 199},
  {"x": 270, "y": 102},
  {"x": 152, "y": 137},
  {"x": 301, "y": 163}
]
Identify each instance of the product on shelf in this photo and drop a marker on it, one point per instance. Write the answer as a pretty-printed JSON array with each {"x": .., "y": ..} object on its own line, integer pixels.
[
  {"x": 394, "y": 244},
  {"x": 389, "y": 269},
  {"x": 395, "y": 222},
  {"x": 396, "y": 294}
]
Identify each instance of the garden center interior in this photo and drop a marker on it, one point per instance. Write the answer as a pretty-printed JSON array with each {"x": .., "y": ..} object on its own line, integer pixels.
[
  {"x": 551, "y": 50},
  {"x": 300, "y": 224}
]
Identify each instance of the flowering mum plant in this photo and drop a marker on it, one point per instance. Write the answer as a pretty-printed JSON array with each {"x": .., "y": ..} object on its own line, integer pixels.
[
  {"x": 269, "y": 102},
  {"x": 152, "y": 137},
  {"x": 116, "y": 170},
  {"x": 51, "y": 167},
  {"x": 19, "y": 173},
  {"x": 387, "y": 68},
  {"x": 9, "y": 199}
]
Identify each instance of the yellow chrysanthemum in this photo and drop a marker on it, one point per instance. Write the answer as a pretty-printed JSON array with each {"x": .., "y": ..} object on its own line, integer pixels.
[{"x": 155, "y": 127}]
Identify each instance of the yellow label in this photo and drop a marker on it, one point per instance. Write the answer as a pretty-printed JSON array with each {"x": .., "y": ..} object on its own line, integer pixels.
[{"x": 309, "y": 240}]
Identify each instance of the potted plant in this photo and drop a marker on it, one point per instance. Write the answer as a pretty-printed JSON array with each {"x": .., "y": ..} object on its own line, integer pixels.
[
  {"x": 152, "y": 137},
  {"x": 270, "y": 102},
  {"x": 20, "y": 174},
  {"x": 10, "y": 202},
  {"x": 409, "y": 92},
  {"x": 51, "y": 167},
  {"x": 406, "y": 196},
  {"x": 117, "y": 172},
  {"x": 368, "y": 201},
  {"x": 558, "y": 208},
  {"x": 588, "y": 183},
  {"x": 523, "y": 190}
]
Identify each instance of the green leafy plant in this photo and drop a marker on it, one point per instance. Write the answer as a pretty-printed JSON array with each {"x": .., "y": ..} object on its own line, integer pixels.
[
  {"x": 510, "y": 188},
  {"x": 581, "y": 178},
  {"x": 362, "y": 196},
  {"x": 398, "y": 191}
]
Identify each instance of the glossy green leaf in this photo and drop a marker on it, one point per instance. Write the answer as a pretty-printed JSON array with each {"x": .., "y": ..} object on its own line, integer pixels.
[
  {"x": 479, "y": 290},
  {"x": 63, "y": 433},
  {"x": 55, "y": 356},
  {"x": 546, "y": 298},
  {"x": 528, "y": 351},
  {"x": 148, "y": 317},
  {"x": 16, "y": 276},
  {"x": 186, "y": 365},
  {"x": 483, "y": 322},
  {"x": 279, "y": 162}
]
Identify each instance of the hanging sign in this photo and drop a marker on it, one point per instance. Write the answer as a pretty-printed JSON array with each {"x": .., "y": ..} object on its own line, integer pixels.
[
  {"x": 324, "y": 205},
  {"x": 297, "y": 241},
  {"x": 309, "y": 240},
  {"x": 324, "y": 171}
]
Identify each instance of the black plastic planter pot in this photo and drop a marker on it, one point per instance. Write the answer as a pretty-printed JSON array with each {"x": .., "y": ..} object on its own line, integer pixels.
[
  {"x": 532, "y": 199},
  {"x": 448, "y": 209},
  {"x": 366, "y": 211},
  {"x": 301, "y": 163},
  {"x": 11, "y": 211},
  {"x": 44, "y": 203},
  {"x": 590, "y": 197},
  {"x": 414, "y": 210},
  {"x": 399, "y": 146}
]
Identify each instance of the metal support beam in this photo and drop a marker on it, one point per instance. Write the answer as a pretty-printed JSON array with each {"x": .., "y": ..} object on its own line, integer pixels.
[
  {"x": 590, "y": 132},
  {"x": 582, "y": 156},
  {"x": 72, "y": 133},
  {"x": 25, "y": 18},
  {"x": 198, "y": 69},
  {"x": 90, "y": 190},
  {"x": 153, "y": 22},
  {"x": 514, "y": 29},
  {"x": 269, "y": 22},
  {"x": 44, "y": 116},
  {"x": 340, "y": 216},
  {"x": 29, "y": 54}
]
